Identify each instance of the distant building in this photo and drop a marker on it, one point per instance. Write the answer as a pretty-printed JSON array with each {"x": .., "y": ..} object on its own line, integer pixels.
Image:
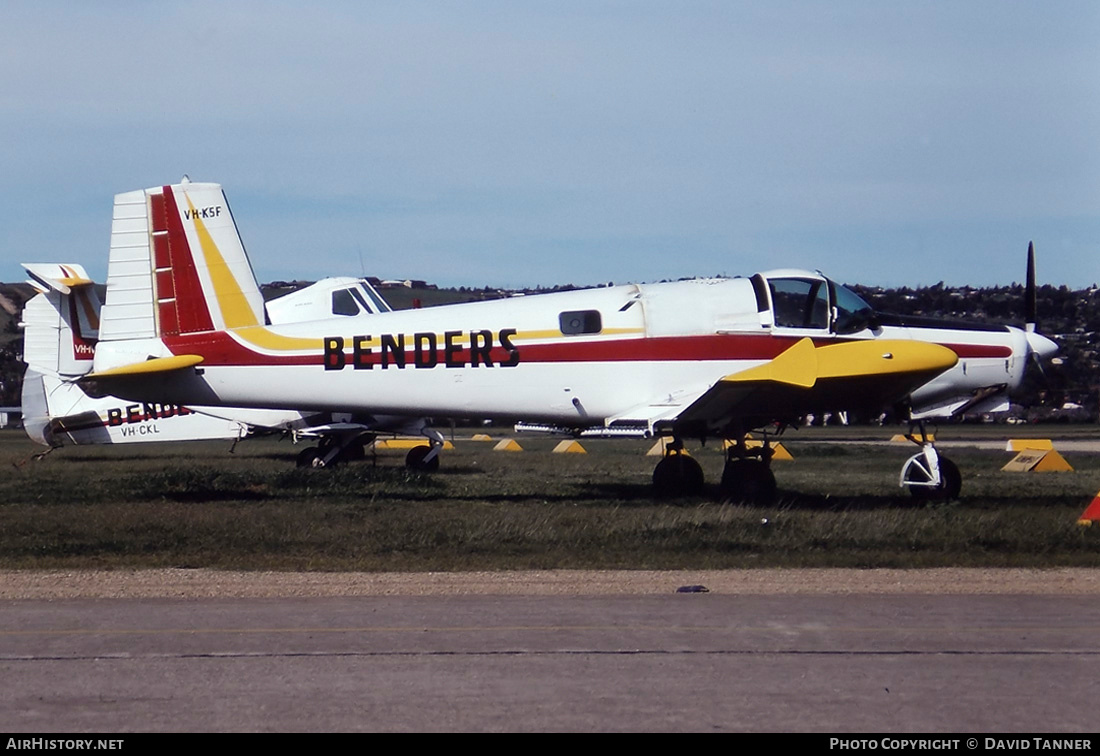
[{"x": 408, "y": 283}]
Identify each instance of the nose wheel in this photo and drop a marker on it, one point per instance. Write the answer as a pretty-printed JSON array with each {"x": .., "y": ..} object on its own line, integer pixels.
[{"x": 928, "y": 475}]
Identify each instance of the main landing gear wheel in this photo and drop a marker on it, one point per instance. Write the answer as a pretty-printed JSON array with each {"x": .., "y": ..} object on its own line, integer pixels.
[
  {"x": 417, "y": 459},
  {"x": 329, "y": 453},
  {"x": 748, "y": 480},
  {"x": 919, "y": 479},
  {"x": 310, "y": 457},
  {"x": 747, "y": 475},
  {"x": 677, "y": 475}
]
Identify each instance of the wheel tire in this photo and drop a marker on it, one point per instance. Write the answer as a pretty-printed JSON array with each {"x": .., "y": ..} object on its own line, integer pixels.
[
  {"x": 414, "y": 460},
  {"x": 677, "y": 475},
  {"x": 950, "y": 483},
  {"x": 748, "y": 480}
]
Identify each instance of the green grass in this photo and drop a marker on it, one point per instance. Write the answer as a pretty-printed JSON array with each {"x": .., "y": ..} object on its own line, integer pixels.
[{"x": 195, "y": 505}]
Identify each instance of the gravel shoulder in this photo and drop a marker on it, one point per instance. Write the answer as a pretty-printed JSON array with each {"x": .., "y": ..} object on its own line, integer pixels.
[{"x": 200, "y": 583}]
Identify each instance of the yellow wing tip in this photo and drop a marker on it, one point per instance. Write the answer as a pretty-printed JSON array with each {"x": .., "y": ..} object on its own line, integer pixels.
[
  {"x": 884, "y": 356},
  {"x": 803, "y": 364}
]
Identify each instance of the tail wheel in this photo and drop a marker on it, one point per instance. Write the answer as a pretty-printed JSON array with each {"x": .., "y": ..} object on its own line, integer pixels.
[
  {"x": 415, "y": 459},
  {"x": 949, "y": 487},
  {"x": 677, "y": 474}
]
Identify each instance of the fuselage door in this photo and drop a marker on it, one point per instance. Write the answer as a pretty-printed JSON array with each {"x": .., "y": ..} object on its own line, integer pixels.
[{"x": 800, "y": 305}]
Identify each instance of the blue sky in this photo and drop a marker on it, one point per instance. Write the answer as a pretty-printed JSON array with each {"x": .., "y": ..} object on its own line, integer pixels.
[{"x": 524, "y": 143}]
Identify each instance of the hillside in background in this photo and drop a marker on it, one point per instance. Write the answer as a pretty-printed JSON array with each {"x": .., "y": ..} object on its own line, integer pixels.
[{"x": 1072, "y": 318}]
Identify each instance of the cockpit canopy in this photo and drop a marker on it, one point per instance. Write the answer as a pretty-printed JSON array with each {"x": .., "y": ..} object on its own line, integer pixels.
[{"x": 806, "y": 301}]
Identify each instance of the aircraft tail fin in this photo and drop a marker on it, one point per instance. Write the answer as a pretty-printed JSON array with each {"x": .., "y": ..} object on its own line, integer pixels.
[
  {"x": 60, "y": 323},
  {"x": 177, "y": 265}
]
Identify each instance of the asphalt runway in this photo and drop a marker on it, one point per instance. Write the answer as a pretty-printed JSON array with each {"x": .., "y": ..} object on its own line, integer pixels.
[{"x": 702, "y": 662}]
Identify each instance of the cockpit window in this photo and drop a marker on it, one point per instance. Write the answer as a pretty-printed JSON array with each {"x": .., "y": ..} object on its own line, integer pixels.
[
  {"x": 343, "y": 303},
  {"x": 380, "y": 304},
  {"x": 359, "y": 298},
  {"x": 852, "y": 313},
  {"x": 800, "y": 302}
]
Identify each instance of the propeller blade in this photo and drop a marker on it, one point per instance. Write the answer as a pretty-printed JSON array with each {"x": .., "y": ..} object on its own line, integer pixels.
[{"x": 1030, "y": 308}]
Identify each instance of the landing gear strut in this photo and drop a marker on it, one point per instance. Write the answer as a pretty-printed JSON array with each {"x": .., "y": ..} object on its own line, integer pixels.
[
  {"x": 928, "y": 475},
  {"x": 334, "y": 449},
  {"x": 747, "y": 475},
  {"x": 426, "y": 458},
  {"x": 677, "y": 473}
]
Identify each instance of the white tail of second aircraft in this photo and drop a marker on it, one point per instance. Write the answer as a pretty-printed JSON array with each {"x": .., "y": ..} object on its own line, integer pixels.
[
  {"x": 177, "y": 265},
  {"x": 61, "y": 326}
]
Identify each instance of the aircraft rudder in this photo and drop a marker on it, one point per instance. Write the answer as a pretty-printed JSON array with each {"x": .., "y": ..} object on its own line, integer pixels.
[
  {"x": 177, "y": 265},
  {"x": 222, "y": 271}
]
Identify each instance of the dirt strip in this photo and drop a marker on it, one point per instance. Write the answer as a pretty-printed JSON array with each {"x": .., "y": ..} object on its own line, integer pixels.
[{"x": 201, "y": 583}]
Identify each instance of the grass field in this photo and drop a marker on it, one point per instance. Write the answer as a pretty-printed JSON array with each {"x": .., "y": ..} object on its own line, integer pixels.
[{"x": 196, "y": 505}]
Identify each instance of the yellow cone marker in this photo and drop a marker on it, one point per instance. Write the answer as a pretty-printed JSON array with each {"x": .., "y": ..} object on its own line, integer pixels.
[
  {"x": 1038, "y": 460},
  {"x": 569, "y": 447},
  {"x": 658, "y": 449},
  {"x": 1022, "y": 444}
]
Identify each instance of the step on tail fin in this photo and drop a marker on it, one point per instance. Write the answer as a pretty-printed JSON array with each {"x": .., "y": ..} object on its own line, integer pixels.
[{"x": 177, "y": 265}]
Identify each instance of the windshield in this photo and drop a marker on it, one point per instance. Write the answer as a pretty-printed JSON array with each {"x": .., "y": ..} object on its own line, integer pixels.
[{"x": 852, "y": 313}]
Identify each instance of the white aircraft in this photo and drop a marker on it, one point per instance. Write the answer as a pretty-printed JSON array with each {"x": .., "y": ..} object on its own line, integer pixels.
[
  {"x": 184, "y": 322},
  {"x": 66, "y": 312}
]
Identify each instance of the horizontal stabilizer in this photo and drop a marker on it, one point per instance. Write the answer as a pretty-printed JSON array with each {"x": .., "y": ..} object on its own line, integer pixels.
[
  {"x": 56, "y": 276},
  {"x": 149, "y": 367}
]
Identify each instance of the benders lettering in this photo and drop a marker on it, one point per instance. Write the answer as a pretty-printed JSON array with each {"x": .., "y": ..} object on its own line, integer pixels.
[
  {"x": 426, "y": 351},
  {"x": 140, "y": 413}
]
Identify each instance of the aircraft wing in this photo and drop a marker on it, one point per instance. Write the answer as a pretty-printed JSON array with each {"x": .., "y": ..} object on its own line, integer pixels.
[{"x": 850, "y": 375}]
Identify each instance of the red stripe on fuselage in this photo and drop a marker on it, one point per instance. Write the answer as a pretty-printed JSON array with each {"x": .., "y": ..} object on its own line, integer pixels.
[
  {"x": 979, "y": 351},
  {"x": 218, "y": 348}
]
